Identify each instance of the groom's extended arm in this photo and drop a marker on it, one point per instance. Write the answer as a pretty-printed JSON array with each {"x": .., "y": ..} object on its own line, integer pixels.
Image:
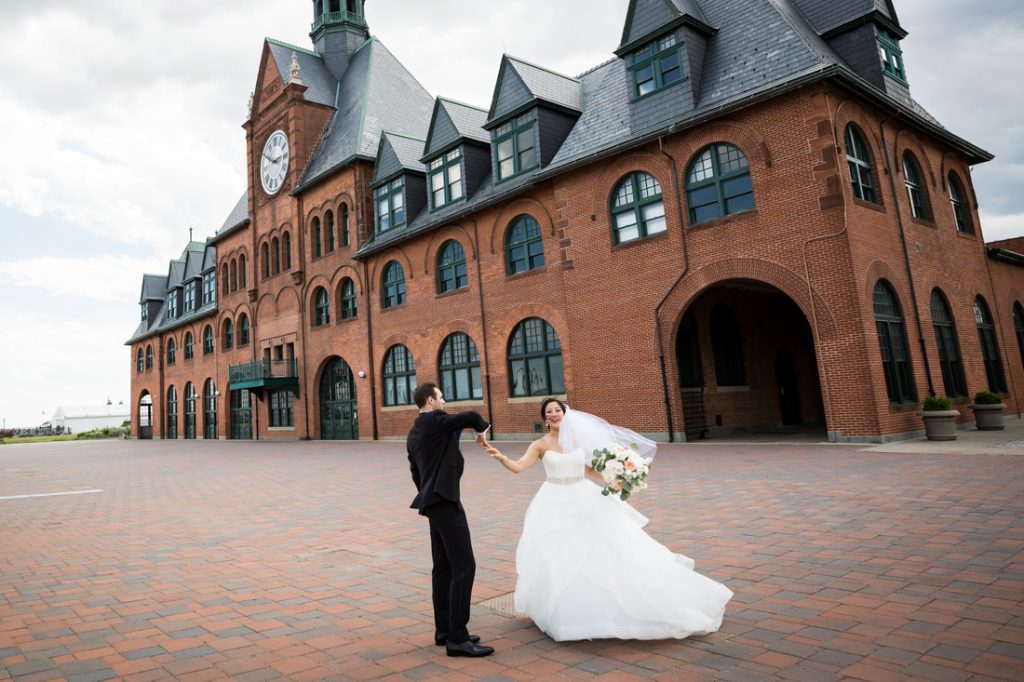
[
  {"x": 414, "y": 469},
  {"x": 464, "y": 420}
]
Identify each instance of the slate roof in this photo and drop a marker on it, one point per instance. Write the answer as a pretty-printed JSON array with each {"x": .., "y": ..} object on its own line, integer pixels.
[
  {"x": 196, "y": 258},
  {"x": 644, "y": 18},
  {"x": 826, "y": 15},
  {"x": 154, "y": 288},
  {"x": 453, "y": 122},
  {"x": 376, "y": 94},
  {"x": 322, "y": 86},
  {"x": 520, "y": 83},
  {"x": 398, "y": 153}
]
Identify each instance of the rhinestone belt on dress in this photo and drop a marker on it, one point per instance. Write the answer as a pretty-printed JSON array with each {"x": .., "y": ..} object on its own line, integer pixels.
[{"x": 568, "y": 480}]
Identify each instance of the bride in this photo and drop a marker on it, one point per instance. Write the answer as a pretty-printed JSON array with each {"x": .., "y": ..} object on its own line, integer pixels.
[{"x": 586, "y": 568}]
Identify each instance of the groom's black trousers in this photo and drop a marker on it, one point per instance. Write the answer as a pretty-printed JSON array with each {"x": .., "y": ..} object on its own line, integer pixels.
[{"x": 454, "y": 569}]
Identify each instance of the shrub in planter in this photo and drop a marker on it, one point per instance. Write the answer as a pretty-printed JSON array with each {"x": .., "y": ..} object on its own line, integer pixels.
[
  {"x": 988, "y": 411},
  {"x": 939, "y": 419}
]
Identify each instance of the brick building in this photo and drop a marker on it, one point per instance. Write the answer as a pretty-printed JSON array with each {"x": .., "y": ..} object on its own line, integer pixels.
[{"x": 742, "y": 220}]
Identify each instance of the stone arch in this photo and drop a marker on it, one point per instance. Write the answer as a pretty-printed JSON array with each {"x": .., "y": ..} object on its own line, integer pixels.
[
  {"x": 750, "y": 142},
  {"x": 850, "y": 111},
  {"x": 530, "y": 207},
  {"x": 396, "y": 253},
  {"x": 442, "y": 236},
  {"x": 617, "y": 170},
  {"x": 909, "y": 140}
]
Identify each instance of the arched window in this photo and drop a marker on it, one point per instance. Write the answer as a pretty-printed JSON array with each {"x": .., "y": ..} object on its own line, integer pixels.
[
  {"x": 224, "y": 290},
  {"x": 953, "y": 381},
  {"x": 286, "y": 243},
  {"x": 727, "y": 347},
  {"x": 344, "y": 225},
  {"x": 392, "y": 285},
  {"x": 1018, "y": 328},
  {"x": 321, "y": 307},
  {"x": 347, "y": 306},
  {"x": 892, "y": 341},
  {"x": 317, "y": 238},
  {"x": 960, "y": 210},
  {"x": 139, "y": 361},
  {"x": 399, "y": 376},
  {"x": 535, "y": 359},
  {"x": 524, "y": 247},
  {"x": 228, "y": 334},
  {"x": 329, "y": 231},
  {"x": 210, "y": 410},
  {"x": 718, "y": 183},
  {"x": 989, "y": 347},
  {"x": 172, "y": 413},
  {"x": 858, "y": 158},
  {"x": 637, "y": 208},
  {"x": 915, "y": 187},
  {"x": 149, "y": 357},
  {"x": 190, "y": 410},
  {"x": 207, "y": 340},
  {"x": 234, "y": 275},
  {"x": 265, "y": 252},
  {"x": 451, "y": 268},
  {"x": 458, "y": 366},
  {"x": 243, "y": 330},
  {"x": 171, "y": 351},
  {"x": 241, "y": 271},
  {"x": 275, "y": 251},
  {"x": 188, "y": 345}
]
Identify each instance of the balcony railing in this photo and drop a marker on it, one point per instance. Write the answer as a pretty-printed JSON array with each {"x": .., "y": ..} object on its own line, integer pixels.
[
  {"x": 335, "y": 17},
  {"x": 264, "y": 373}
]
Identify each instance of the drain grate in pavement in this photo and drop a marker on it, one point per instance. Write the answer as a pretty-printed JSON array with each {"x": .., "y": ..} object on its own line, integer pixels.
[{"x": 503, "y": 604}]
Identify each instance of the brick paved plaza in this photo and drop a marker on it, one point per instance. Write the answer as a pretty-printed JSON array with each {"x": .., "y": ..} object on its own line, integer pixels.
[{"x": 259, "y": 561}]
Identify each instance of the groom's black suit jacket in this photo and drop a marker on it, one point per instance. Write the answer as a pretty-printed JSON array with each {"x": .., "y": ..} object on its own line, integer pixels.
[{"x": 434, "y": 456}]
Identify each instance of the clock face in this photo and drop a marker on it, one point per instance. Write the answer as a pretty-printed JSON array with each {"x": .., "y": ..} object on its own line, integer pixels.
[{"x": 274, "y": 163}]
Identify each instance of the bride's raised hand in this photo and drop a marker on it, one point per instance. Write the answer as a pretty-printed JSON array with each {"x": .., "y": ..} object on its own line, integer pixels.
[{"x": 493, "y": 452}]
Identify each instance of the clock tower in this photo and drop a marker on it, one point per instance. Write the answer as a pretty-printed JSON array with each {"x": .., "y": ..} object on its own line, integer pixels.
[{"x": 339, "y": 29}]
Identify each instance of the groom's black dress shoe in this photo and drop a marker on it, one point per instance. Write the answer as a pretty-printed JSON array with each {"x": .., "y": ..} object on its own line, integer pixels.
[
  {"x": 471, "y": 649},
  {"x": 440, "y": 640}
]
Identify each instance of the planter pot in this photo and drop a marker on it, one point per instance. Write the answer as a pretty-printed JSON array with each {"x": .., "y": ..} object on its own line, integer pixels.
[
  {"x": 940, "y": 424},
  {"x": 989, "y": 417}
]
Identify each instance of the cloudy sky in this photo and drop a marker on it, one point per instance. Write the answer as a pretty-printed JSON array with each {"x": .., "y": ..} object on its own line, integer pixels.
[{"x": 121, "y": 124}]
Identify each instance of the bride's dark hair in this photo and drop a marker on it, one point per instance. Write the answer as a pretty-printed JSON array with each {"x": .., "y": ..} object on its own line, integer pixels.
[{"x": 548, "y": 401}]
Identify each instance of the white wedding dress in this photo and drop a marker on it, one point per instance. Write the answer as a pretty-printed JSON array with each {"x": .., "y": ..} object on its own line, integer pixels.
[{"x": 587, "y": 569}]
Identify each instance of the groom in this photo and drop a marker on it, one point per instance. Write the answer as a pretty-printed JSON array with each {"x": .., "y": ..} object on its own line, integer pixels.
[{"x": 437, "y": 464}]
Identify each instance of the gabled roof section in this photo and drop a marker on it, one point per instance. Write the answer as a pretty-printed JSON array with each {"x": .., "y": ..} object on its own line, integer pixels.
[
  {"x": 238, "y": 217},
  {"x": 322, "y": 86},
  {"x": 453, "y": 122},
  {"x": 209, "y": 258},
  {"x": 830, "y": 16},
  {"x": 175, "y": 273},
  {"x": 398, "y": 153},
  {"x": 522, "y": 83},
  {"x": 153, "y": 288},
  {"x": 646, "y": 19},
  {"x": 377, "y": 93}
]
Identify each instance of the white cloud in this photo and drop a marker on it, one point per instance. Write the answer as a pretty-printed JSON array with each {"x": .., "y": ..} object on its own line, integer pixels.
[
  {"x": 103, "y": 278},
  {"x": 995, "y": 227}
]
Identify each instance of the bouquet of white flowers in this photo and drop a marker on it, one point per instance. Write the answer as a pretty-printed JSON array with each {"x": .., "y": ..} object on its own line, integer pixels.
[{"x": 623, "y": 470}]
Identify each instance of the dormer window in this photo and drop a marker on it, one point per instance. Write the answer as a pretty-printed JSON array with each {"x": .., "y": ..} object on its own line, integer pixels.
[
  {"x": 445, "y": 174},
  {"x": 656, "y": 66},
  {"x": 390, "y": 205},
  {"x": 190, "y": 296},
  {"x": 172, "y": 305},
  {"x": 145, "y": 312},
  {"x": 892, "y": 55},
  {"x": 515, "y": 146},
  {"x": 209, "y": 284}
]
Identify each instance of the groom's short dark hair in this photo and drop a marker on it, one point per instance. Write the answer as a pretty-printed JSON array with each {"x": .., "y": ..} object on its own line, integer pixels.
[{"x": 423, "y": 393}]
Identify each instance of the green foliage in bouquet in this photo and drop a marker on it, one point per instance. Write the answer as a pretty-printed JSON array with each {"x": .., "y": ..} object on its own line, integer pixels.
[
  {"x": 936, "y": 403},
  {"x": 986, "y": 398}
]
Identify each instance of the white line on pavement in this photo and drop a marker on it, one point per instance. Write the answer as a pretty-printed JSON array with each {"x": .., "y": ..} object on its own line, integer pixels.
[{"x": 70, "y": 492}]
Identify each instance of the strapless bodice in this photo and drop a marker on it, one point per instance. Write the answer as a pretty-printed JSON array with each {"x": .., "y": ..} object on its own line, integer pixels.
[{"x": 563, "y": 467}]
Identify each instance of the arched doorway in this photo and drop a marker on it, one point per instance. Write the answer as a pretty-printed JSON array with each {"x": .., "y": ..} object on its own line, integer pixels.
[
  {"x": 747, "y": 366},
  {"x": 146, "y": 416},
  {"x": 339, "y": 416}
]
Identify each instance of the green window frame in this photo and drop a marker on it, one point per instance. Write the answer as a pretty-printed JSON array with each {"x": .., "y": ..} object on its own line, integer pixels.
[
  {"x": 892, "y": 55},
  {"x": 535, "y": 360},
  {"x": 444, "y": 179},
  {"x": 515, "y": 146},
  {"x": 209, "y": 288},
  {"x": 149, "y": 357},
  {"x": 718, "y": 183},
  {"x": 207, "y": 340},
  {"x": 172, "y": 414},
  {"x": 145, "y": 311},
  {"x": 399, "y": 374},
  {"x": 458, "y": 365},
  {"x": 282, "y": 409},
  {"x": 390, "y": 202},
  {"x": 286, "y": 245},
  {"x": 243, "y": 330},
  {"x": 892, "y": 342},
  {"x": 190, "y": 411},
  {"x": 190, "y": 296},
  {"x": 954, "y": 383},
  {"x": 317, "y": 238},
  {"x": 637, "y": 208},
  {"x": 188, "y": 346},
  {"x": 858, "y": 159},
  {"x": 989, "y": 347},
  {"x": 210, "y": 410},
  {"x": 228, "y": 334},
  {"x": 960, "y": 210},
  {"x": 348, "y": 307},
  {"x": 321, "y": 307},
  {"x": 344, "y": 225},
  {"x": 265, "y": 253},
  {"x": 451, "y": 267},
  {"x": 139, "y": 362},
  {"x": 172, "y": 305},
  {"x": 329, "y": 231},
  {"x": 915, "y": 187},
  {"x": 392, "y": 285},
  {"x": 275, "y": 251},
  {"x": 524, "y": 246},
  {"x": 656, "y": 66},
  {"x": 171, "y": 351}
]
